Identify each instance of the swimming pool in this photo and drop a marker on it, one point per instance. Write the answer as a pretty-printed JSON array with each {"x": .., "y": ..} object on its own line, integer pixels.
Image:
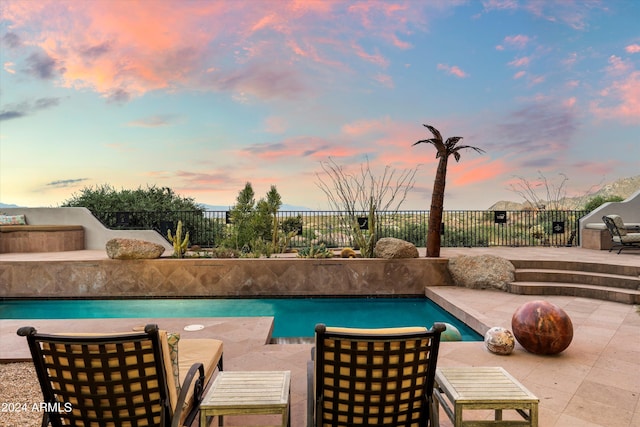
[{"x": 293, "y": 317}]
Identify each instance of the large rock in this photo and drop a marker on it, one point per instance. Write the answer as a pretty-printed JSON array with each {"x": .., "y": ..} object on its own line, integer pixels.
[
  {"x": 482, "y": 271},
  {"x": 390, "y": 247},
  {"x": 120, "y": 248}
]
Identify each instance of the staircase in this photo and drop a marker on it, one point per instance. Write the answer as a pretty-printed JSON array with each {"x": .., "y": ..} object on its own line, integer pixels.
[{"x": 616, "y": 283}]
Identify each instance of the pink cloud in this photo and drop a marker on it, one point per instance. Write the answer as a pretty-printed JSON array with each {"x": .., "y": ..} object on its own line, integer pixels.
[
  {"x": 536, "y": 80},
  {"x": 366, "y": 127},
  {"x": 520, "y": 62},
  {"x": 618, "y": 65},
  {"x": 519, "y": 41},
  {"x": 601, "y": 167},
  {"x": 633, "y": 48},
  {"x": 275, "y": 124},
  {"x": 519, "y": 75},
  {"x": 125, "y": 49},
  {"x": 400, "y": 44},
  {"x": 620, "y": 100},
  {"x": 472, "y": 170},
  {"x": 564, "y": 11},
  {"x": 499, "y": 4},
  {"x": 571, "y": 59},
  {"x": 8, "y": 67},
  {"x": 312, "y": 148},
  {"x": 385, "y": 80},
  {"x": 203, "y": 179},
  {"x": 453, "y": 70},
  {"x": 375, "y": 58}
]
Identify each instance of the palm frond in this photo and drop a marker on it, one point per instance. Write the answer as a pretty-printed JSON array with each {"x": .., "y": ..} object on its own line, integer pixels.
[
  {"x": 434, "y": 131},
  {"x": 452, "y": 140},
  {"x": 476, "y": 149},
  {"x": 427, "y": 141},
  {"x": 456, "y": 151}
]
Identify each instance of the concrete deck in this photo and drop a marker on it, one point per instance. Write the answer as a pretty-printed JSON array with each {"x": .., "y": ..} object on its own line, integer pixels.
[{"x": 595, "y": 382}]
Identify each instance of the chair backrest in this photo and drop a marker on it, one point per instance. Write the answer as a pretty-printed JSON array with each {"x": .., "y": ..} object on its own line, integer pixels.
[
  {"x": 615, "y": 225},
  {"x": 112, "y": 380},
  {"x": 375, "y": 377}
]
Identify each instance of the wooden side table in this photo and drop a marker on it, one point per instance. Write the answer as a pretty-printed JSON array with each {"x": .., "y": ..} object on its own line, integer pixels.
[
  {"x": 469, "y": 388},
  {"x": 247, "y": 393}
]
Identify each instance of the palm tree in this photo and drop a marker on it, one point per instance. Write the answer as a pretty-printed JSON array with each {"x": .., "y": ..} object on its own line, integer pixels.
[{"x": 445, "y": 149}]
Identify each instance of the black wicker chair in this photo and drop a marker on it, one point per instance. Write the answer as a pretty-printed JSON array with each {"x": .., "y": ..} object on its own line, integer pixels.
[
  {"x": 111, "y": 380},
  {"x": 373, "y": 377},
  {"x": 619, "y": 235}
]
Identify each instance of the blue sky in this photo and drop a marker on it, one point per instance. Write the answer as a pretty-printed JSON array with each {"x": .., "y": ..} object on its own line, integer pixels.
[{"x": 203, "y": 96}]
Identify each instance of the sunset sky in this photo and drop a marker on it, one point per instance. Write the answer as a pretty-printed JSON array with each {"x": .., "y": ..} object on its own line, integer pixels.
[{"x": 203, "y": 96}]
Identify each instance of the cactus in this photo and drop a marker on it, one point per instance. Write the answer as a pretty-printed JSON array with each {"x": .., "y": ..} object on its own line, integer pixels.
[
  {"x": 348, "y": 253},
  {"x": 179, "y": 244},
  {"x": 315, "y": 252}
]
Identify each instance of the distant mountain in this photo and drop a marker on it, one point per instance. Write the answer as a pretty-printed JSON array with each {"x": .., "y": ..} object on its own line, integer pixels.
[
  {"x": 284, "y": 207},
  {"x": 623, "y": 187},
  {"x": 4, "y": 205}
]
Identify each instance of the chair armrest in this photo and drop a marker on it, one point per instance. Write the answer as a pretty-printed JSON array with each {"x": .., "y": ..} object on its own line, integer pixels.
[{"x": 198, "y": 389}]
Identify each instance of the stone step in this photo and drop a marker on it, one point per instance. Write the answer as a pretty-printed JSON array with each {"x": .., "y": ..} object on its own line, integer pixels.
[
  {"x": 623, "y": 270},
  {"x": 607, "y": 293},
  {"x": 578, "y": 277}
]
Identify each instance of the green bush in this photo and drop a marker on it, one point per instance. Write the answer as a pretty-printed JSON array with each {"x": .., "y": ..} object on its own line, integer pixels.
[
  {"x": 597, "y": 201},
  {"x": 152, "y": 208}
]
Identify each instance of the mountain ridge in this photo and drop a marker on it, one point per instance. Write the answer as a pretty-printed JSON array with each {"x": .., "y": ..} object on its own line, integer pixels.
[{"x": 623, "y": 187}]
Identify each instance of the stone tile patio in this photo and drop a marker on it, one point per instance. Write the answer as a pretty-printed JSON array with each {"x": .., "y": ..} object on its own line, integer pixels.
[{"x": 595, "y": 382}]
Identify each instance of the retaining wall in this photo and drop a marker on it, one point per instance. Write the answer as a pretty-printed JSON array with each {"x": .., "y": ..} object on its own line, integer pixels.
[{"x": 168, "y": 277}]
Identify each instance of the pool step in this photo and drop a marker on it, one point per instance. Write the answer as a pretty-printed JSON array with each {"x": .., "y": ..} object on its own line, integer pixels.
[{"x": 590, "y": 280}]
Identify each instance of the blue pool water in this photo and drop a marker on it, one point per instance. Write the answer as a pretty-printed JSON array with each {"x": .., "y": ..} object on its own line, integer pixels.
[{"x": 292, "y": 317}]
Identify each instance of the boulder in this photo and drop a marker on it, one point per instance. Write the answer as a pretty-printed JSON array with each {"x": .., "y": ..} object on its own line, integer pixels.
[
  {"x": 120, "y": 248},
  {"x": 390, "y": 248},
  {"x": 482, "y": 271}
]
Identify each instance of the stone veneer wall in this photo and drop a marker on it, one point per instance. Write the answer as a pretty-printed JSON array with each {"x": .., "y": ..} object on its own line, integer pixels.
[
  {"x": 34, "y": 238},
  {"x": 166, "y": 277}
]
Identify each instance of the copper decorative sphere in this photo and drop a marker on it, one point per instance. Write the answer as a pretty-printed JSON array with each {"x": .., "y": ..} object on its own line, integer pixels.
[{"x": 542, "y": 327}]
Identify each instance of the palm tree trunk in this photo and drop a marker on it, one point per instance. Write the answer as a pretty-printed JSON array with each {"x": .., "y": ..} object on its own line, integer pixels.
[{"x": 437, "y": 206}]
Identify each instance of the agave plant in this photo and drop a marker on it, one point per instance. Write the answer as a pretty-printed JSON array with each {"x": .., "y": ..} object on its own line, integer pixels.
[{"x": 444, "y": 150}]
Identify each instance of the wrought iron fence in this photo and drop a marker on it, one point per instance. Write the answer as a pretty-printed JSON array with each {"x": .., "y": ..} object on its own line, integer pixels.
[{"x": 459, "y": 228}]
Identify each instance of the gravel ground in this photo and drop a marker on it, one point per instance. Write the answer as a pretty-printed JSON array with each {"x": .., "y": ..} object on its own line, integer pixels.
[{"x": 20, "y": 395}]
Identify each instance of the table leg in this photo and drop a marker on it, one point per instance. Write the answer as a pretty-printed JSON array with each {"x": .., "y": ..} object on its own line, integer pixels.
[
  {"x": 458, "y": 415},
  {"x": 435, "y": 412},
  {"x": 533, "y": 415}
]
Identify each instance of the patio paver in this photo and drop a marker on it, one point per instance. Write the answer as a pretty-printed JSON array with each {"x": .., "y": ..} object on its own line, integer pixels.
[{"x": 594, "y": 382}]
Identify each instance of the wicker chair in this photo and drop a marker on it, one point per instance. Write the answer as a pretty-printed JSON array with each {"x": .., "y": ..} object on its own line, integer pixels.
[
  {"x": 373, "y": 377},
  {"x": 117, "y": 380},
  {"x": 619, "y": 235}
]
